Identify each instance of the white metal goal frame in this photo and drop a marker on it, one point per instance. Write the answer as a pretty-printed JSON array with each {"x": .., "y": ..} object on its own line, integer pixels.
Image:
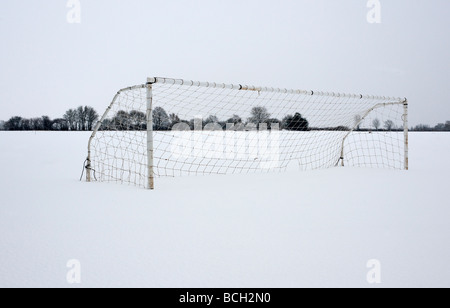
[{"x": 388, "y": 101}]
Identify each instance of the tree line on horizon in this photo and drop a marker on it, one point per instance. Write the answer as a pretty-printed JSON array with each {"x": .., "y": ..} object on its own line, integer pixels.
[
  {"x": 162, "y": 121},
  {"x": 79, "y": 119},
  {"x": 441, "y": 127},
  {"x": 85, "y": 118}
]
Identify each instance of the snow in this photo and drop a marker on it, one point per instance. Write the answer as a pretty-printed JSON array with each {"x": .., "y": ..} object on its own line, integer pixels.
[{"x": 294, "y": 229}]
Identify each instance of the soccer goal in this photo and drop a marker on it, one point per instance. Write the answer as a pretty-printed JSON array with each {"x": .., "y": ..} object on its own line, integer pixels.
[{"x": 172, "y": 127}]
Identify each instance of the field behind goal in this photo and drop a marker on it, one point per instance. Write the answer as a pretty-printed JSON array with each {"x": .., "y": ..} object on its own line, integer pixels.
[{"x": 172, "y": 127}]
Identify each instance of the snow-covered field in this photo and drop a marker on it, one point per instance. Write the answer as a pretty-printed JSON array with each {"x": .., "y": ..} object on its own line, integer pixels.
[{"x": 295, "y": 229}]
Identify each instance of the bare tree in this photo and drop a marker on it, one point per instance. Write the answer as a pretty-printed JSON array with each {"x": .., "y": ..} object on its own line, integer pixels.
[
  {"x": 81, "y": 118},
  {"x": 389, "y": 125},
  {"x": 36, "y": 124},
  {"x": 27, "y": 124},
  {"x": 161, "y": 120},
  {"x": 91, "y": 117},
  {"x": 71, "y": 118},
  {"x": 259, "y": 115},
  {"x": 59, "y": 125},
  {"x": 47, "y": 123},
  {"x": 15, "y": 123},
  {"x": 138, "y": 120},
  {"x": 2, "y": 125},
  {"x": 376, "y": 123},
  {"x": 121, "y": 121}
]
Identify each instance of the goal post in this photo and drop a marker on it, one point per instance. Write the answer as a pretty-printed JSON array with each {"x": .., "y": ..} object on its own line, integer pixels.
[
  {"x": 99, "y": 124},
  {"x": 149, "y": 113},
  {"x": 363, "y": 118},
  {"x": 405, "y": 132},
  {"x": 173, "y": 127}
]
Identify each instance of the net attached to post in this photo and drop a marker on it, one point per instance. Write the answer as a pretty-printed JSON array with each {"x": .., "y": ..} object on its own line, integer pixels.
[{"x": 209, "y": 128}]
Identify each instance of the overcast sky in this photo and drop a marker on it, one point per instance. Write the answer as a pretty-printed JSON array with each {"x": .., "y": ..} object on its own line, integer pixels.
[{"x": 48, "y": 65}]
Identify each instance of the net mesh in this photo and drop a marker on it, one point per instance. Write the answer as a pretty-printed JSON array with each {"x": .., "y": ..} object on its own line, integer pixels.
[{"x": 204, "y": 130}]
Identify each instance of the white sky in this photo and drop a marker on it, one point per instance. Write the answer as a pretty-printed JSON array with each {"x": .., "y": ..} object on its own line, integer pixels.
[{"x": 48, "y": 65}]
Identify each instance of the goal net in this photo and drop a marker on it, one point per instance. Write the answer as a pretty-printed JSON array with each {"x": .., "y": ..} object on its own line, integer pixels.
[{"x": 170, "y": 128}]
